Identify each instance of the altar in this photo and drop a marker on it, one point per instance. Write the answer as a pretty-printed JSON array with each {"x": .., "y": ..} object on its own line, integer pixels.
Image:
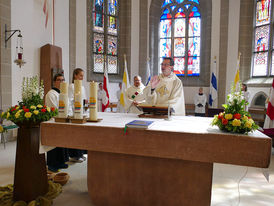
[{"x": 171, "y": 163}]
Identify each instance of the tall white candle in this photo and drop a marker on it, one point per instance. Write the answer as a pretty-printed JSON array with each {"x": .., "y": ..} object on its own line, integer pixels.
[
  {"x": 78, "y": 102},
  {"x": 93, "y": 101},
  {"x": 63, "y": 100}
]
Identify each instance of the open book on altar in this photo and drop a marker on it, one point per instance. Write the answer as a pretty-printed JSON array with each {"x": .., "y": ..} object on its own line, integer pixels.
[{"x": 144, "y": 124}]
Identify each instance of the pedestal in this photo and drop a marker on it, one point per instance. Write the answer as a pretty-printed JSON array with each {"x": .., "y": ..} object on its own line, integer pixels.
[{"x": 30, "y": 176}]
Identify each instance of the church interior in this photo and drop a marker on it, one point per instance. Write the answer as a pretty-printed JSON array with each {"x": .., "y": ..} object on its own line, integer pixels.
[{"x": 224, "y": 37}]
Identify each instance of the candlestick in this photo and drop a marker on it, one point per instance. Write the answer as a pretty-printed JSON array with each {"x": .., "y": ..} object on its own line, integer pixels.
[{"x": 93, "y": 101}]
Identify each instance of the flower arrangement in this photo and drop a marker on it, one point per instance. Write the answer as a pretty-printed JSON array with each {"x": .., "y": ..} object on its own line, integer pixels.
[
  {"x": 235, "y": 118},
  {"x": 31, "y": 110},
  {"x": 2, "y": 129}
]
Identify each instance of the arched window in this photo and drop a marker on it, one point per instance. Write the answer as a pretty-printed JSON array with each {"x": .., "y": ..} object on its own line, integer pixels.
[
  {"x": 105, "y": 36},
  {"x": 263, "y": 45},
  {"x": 180, "y": 35}
]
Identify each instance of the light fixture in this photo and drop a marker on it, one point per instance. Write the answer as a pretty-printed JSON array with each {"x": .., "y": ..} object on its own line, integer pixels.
[{"x": 19, "y": 46}]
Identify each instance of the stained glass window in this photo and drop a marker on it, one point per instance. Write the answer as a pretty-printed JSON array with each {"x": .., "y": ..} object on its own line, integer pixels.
[
  {"x": 180, "y": 35},
  {"x": 105, "y": 35},
  {"x": 263, "y": 47}
]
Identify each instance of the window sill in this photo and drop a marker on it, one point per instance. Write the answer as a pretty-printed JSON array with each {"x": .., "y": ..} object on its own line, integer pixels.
[{"x": 259, "y": 82}]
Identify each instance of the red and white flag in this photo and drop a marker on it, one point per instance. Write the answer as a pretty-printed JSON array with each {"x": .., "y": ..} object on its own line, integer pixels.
[
  {"x": 269, "y": 119},
  {"x": 46, "y": 11},
  {"x": 105, "y": 101}
]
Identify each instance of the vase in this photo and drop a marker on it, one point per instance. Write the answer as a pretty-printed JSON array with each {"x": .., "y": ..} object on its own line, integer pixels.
[{"x": 30, "y": 176}]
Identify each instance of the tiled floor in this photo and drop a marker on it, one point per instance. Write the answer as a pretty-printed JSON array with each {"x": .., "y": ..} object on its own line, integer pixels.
[{"x": 232, "y": 185}]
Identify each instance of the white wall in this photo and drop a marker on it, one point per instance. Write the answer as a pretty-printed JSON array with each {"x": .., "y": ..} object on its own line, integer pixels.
[{"x": 28, "y": 16}]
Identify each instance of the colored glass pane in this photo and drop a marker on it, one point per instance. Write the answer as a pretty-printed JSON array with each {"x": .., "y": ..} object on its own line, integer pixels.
[
  {"x": 180, "y": 27},
  {"x": 194, "y": 12},
  {"x": 194, "y": 28},
  {"x": 166, "y": 16},
  {"x": 112, "y": 7},
  {"x": 165, "y": 47},
  {"x": 165, "y": 28},
  {"x": 166, "y": 11},
  {"x": 99, "y": 6},
  {"x": 263, "y": 12},
  {"x": 272, "y": 68},
  {"x": 112, "y": 25},
  {"x": 173, "y": 7},
  {"x": 179, "y": 47},
  {"x": 261, "y": 38},
  {"x": 112, "y": 64},
  {"x": 260, "y": 64},
  {"x": 195, "y": 1},
  {"x": 187, "y": 6},
  {"x": 166, "y": 2},
  {"x": 112, "y": 45},
  {"x": 98, "y": 63},
  {"x": 193, "y": 68},
  {"x": 179, "y": 66},
  {"x": 194, "y": 46},
  {"x": 98, "y": 44},
  {"x": 98, "y": 22},
  {"x": 180, "y": 1}
]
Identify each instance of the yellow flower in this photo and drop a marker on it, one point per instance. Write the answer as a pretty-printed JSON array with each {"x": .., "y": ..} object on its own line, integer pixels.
[
  {"x": 8, "y": 114},
  {"x": 20, "y": 110},
  {"x": 33, "y": 107},
  {"x": 245, "y": 118},
  {"x": 17, "y": 115},
  {"x": 39, "y": 106},
  {"x": 251, "y": 121},
  {"x": 2, "y": 114},
  {"x": 28, "y": 114},
  {"x": 248, "y": 124},
  {"x": 35, "y": 112},
  {"x": 228, "y": 116},
  {"x": 48, "y": 108},
  {"x": 17, "y": 107},
  {"x": 236, "y": 122},
  {"x": 1, "y": 129}
]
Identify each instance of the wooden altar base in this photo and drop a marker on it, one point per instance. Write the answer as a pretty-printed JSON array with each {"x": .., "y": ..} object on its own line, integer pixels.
[
  {"x": 30, "y": 176},
  {"x": 123, "y": 180}
]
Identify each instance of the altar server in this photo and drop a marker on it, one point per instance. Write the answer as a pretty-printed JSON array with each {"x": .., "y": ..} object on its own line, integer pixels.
[
  {"x": 166, "y": 89},
  {"x": 200, "y": 103},
  {"x": 56, "y": 157},
  {"x": 134, "y": 96},
  {"x": 76, "y": 155}
]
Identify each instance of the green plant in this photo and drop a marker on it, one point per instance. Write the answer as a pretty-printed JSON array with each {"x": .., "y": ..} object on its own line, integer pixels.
[
  {"x": 235, "y": 118},
  {"x": 31, "y": 109}
]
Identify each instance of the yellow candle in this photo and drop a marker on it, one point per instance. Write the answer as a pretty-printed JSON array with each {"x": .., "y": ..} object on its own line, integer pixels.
[
  {"x": 93, "y": 101},
  {"x": 64, "y": 88},
  {"x": 77, "y": 86}
]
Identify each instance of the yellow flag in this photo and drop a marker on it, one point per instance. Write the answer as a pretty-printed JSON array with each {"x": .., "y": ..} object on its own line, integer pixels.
[
  {"x": 125, "y": 85},
  {"x": 237, "y": 77}
]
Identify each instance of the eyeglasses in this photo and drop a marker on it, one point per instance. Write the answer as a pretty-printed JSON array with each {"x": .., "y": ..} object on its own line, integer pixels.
[
  {"x": 165, "y": 65},
  {"x": 60, "y": 80}
]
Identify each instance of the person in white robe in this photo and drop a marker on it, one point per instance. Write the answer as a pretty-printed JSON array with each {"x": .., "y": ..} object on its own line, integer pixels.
[
  {"x": 78, "y": 74},
  {"x": 134, "y": 96},
  {"x": 101, "y": 97},
  {"x": 246, "y": 95},
  {"x": 76, "y": 155},
  {"x": 120, "y": 108},
  {"x": 56, "y": 157},
  {"x": 200, "y": 103},
  {"x": 166, "y": 89}
]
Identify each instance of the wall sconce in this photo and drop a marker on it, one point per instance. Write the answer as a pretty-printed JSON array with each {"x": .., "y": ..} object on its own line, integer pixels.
[{"x": 19, "y": 46}]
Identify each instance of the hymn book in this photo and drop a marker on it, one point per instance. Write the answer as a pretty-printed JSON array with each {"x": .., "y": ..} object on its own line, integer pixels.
[{"x": 143, "y": 124}]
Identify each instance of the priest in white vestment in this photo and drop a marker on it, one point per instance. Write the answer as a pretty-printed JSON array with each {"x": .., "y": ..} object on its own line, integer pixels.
[
  {"x": 166, "y": 89},
  {"x": 134, "y": 96}
]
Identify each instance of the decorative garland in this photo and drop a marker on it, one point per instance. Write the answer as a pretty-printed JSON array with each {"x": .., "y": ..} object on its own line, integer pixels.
[{"x": 6, "y": 196}]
